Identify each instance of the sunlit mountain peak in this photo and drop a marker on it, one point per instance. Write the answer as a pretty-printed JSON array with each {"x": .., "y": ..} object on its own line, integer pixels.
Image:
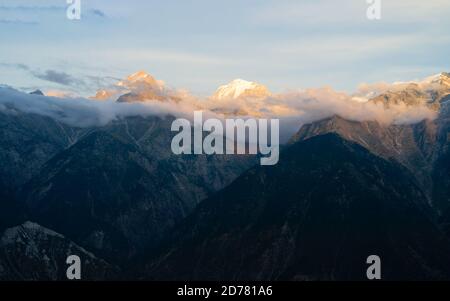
[{"x": 241, "y": 88}]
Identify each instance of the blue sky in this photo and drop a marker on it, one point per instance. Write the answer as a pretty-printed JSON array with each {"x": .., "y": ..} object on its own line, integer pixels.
[{"x": 201, "y": 44}]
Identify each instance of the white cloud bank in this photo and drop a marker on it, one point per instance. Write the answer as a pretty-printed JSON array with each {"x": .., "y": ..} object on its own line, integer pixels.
[
  {"x": 82, "y": 112},
  {"x": 292, "y": 108}
]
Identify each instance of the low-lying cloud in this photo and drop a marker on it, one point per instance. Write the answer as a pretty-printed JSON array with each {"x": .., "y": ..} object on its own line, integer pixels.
[
  {"x": 292, "y": 108},
  {"x": 81, "y": 112},
  {"x": 295, "y": 109}
]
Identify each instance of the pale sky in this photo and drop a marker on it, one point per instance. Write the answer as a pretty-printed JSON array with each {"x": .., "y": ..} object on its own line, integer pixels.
[{"x": 201, "y": 44}]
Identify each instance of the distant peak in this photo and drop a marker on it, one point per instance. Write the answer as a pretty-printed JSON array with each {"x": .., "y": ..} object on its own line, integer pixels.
[
  {"x": 240, "y": 81},
  {"x": 139, "y": 86},
  {"x": 103, "y": 94},
  {"x": 440, "y": 78},
  {"x": 139, "y": 78},
  {"x": 37, "y": 92},
  {"x": 241, "y": 88},
  {"x": 444, "y": 74},
  {"x": 139, "y": 75}
]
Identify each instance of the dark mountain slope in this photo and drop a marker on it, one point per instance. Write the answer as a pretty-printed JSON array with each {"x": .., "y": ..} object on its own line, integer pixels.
[
  {"x": 119, "y": 189},
  {"x": 100, "y": 194},
  {"x": 412, "y": 145},
  {"x": 318, "y": 214},
  {"x": 31, "y": 252},
  {"x": 441, "y": 191},
  {"x": 441, "y": 169},
  {"x": 27, "y": 141}
]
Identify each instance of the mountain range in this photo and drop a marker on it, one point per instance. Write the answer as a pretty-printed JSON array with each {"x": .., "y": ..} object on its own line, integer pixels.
[{"x": 114, "y": 193}]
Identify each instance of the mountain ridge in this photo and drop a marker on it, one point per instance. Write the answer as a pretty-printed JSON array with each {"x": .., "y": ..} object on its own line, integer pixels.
[{"x": 267, "y": 227}]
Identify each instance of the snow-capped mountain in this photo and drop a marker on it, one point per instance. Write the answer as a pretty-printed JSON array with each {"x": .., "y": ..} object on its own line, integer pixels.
[
  {"x": 241, "y": 88},
  {"x": 103, "y": 94},
  {"x": 141, "y": 79},
  {"x": 251, "y": 97},
  {"x": 130, "y": 191},
  {"x": 430, "y": 92},
  {"x": 442, "y": 78},
  {"x": 139, "y": 86}
]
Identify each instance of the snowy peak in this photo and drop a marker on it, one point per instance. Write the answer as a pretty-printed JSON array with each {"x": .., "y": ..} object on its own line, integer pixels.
[
  {"x": 139, "y": 79},
  {"x": 430, "y": 92},
  {"x": 442, "y": 78},
  {"x": 241, "y": 88},
  {"x": 140, "y": 75},
  {"x": 103, "y": 95},
  {"x": 139, "y": 86}
]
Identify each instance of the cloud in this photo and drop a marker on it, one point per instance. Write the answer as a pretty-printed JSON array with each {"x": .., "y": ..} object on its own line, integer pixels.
[
  {"x": 22, "y": 66},
  {"x": 68, "y": 80},
  {"x": 19, "y": 22},
  {"x": 51, "y": 8},
  {"x": 370, "y": 90},
  {"x": 315, "y": 104},
  {"x": 78, "y": 83},
  {"x": 31, "y": 8},
  {"x": 99, "y": 13},
  {"x": 292, "y": 108},
  {"x": 81, "y": 112},
  {"x": 297, "y": 108},
  {"x": 15, "y": 66},
  {"x": 61, "y": 78},
  {"x": 60, "y": 94}
]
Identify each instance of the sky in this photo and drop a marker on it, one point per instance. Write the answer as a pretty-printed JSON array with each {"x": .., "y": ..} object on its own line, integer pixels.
[{"x": 199, "y": 45}]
